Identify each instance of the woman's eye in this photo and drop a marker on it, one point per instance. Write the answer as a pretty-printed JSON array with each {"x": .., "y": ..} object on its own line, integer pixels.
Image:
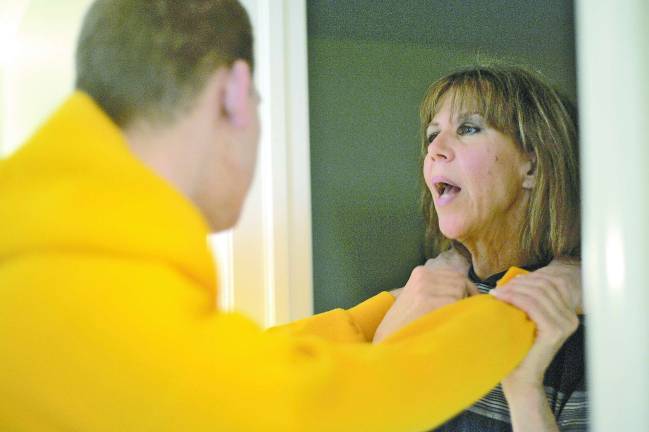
[
  {"x": 432, "y": 136},
  {"x": 468, "y": 130}
]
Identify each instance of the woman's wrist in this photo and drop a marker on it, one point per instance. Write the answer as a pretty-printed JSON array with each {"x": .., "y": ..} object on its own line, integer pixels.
[
  {"x": 528, "y": 407},
  {"x": 518, "y": 382},
  {"x": 515, "y": 389}
]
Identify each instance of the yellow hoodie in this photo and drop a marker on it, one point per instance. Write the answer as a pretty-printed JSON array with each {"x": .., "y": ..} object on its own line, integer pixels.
[{"x": 108, "y": 319}]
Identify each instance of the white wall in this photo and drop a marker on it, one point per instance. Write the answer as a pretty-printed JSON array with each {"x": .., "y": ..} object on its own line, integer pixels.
[
  {"x": 266, "y": 267},
  {"x": 613, "y": 47},
  {"x": 38, "y": 39}
]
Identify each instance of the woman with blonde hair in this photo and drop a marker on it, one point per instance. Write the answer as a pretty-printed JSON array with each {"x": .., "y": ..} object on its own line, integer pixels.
[{"x": 501, "y": 172}]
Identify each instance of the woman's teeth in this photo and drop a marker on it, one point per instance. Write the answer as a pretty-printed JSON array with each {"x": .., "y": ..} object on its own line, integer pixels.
[{"x": 445, "y": 188}]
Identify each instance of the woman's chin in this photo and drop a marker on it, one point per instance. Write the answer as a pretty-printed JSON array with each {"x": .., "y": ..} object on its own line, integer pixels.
[{"x": 451, "y": 231}]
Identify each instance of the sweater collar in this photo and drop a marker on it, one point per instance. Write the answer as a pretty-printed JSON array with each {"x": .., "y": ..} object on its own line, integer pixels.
[{"x": 494, "y": 278}]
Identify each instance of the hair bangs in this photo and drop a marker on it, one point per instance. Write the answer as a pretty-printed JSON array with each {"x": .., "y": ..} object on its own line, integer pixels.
[{"x": 471, "y": 91}]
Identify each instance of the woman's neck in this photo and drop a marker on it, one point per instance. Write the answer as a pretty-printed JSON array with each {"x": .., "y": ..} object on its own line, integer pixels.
[
  {"x": 485, "y": 265},
  {"x": 497, "y": 246},
  {"x": 496, "y": 255}
]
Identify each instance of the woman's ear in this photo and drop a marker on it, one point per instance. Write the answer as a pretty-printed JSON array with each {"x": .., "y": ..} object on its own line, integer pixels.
[
  {"x": 237, "y": 94},
  {"x": 529, "y": 171}
]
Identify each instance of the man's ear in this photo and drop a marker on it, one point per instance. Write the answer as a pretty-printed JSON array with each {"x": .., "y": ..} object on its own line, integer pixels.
[
  {"x": 237, "y": 94},
  {"x": 529, "y": 171}
]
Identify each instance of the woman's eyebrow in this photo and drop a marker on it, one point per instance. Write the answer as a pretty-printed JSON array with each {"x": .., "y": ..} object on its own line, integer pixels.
[
  {"x": 475, "y": 116},
  {"x": 459, "y": 118}
]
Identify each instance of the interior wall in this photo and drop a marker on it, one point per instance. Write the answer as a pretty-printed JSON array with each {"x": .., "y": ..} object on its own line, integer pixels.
[
  {"x": 37, "y": 65},
  {"x": 370, "y": 63}
]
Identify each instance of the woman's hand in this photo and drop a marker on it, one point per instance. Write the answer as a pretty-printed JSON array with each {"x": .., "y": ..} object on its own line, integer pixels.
[
  {"x": 552, "y": 307},
  {"x": 441, "y": 281},
  {"x": 565, "y": 272},
  {"x": 550, "y": 296}
]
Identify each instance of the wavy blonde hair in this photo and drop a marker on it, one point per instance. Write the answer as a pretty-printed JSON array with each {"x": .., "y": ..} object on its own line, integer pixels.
[{"x": 517, "y": 102}]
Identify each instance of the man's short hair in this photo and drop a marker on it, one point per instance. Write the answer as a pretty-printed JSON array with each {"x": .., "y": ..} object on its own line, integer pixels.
[{"x": 148, "y": 59}]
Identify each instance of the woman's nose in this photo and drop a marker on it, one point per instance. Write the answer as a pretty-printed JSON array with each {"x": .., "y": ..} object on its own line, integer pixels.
[{"x": 439, "y": 149}]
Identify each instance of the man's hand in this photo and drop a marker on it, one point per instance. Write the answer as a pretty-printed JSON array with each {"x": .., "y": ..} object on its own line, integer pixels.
[
  {"x": 450, "y": 260},
  {"x": 441, "y": 281}
]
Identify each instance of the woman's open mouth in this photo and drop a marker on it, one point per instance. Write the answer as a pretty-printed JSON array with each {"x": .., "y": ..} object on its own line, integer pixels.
[{"x": 446, "y": 190}]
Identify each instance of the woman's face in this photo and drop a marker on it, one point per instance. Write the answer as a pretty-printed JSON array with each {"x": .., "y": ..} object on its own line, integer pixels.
[{"x": 478, "y": 177}]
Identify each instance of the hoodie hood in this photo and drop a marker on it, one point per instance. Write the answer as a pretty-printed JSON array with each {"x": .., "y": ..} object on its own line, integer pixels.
[{"x": 76, "y": 187}]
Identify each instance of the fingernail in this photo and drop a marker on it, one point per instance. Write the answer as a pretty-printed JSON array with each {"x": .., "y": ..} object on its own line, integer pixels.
[{"x": 494, "y": 292}]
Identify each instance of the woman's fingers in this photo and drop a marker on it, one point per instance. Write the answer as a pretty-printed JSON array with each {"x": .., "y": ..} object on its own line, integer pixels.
[
  {"x": 565, "y": 275},
  {"x": 537, "y": 311},
  {"x": 544, "y": 304},
  {"x": 548, "y": 298},
  {"x": 534, "y": 282},
  {"x": 554, "y": 318}
]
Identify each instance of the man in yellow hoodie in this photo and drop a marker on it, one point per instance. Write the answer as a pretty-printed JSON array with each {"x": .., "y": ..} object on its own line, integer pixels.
[{"x": 107, "y": 288}]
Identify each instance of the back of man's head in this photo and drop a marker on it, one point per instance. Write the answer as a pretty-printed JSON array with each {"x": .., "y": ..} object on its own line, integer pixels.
[{"x": 148, "y": 60}]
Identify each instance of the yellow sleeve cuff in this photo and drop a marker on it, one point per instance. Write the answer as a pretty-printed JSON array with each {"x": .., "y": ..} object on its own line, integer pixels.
[
  {"x": 357, "y": 324},
  {"x": 369, "y": 314},
  {"x": 511, "y": 274}
]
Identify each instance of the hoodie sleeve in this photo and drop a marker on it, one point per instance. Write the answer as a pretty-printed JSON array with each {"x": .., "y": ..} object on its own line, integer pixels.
[
  {"x": 144, "y": 350},
  {"x": 357, "y": 324}
]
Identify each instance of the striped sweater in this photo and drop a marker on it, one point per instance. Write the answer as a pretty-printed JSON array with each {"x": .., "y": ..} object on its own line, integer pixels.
[{"x": 564, "y": 384}]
